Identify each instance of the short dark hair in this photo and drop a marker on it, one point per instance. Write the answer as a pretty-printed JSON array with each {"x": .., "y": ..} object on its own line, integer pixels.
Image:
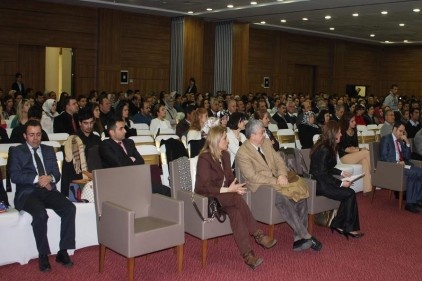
[
  {"x": 111, "y": 124},
  {"x": 398, "y": 123},
  {"x": 67, "y": 99},
  {"x": 35, "y": 112},
  {"x": 81, "y": 97},
  {"x": 18, "y": 74},
  {"x": 412, "y": 109},
  {"x": 189, "y": 109},
  {"x": 85, "y": 114},
  {"x": 234, "y": 120},
  {"x": 32, "y": 123}
]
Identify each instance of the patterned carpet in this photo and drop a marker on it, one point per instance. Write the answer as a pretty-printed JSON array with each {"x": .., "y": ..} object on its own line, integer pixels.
[{"x": 390, "y": 250}]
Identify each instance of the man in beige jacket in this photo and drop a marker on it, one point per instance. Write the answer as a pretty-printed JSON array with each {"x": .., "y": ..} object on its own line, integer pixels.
[{"x": 261, "y": 165}]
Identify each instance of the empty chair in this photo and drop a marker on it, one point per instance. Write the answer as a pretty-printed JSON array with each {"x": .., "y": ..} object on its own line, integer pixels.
[
  {"x": 131, "y": 220},
  {"x": 286, "y": 138}
]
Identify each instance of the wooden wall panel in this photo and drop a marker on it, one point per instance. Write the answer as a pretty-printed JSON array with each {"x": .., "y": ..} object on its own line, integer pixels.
[
  {"x": 193, "y": 55},
  {"x": 240, "y": 77},
  {"x": 208, "y": 58}
]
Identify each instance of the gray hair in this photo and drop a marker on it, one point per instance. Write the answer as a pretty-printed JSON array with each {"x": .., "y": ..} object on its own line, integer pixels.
[{"x": 252, "y": 127}]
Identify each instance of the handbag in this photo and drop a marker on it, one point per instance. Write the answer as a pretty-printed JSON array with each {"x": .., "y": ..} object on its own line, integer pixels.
[{"x": 214, "y": 210}]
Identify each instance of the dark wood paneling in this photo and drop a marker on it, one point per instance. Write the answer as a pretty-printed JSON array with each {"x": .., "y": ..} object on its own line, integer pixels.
[
  {"x": 31, "y": 63},
  {"x": 193, "y": 55},
  {"x": 240, "y": 77},
  {"x": 208, "y": 58}
]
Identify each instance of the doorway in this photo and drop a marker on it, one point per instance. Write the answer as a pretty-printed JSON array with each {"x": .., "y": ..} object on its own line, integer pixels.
[{"x": 58, "y": 70}]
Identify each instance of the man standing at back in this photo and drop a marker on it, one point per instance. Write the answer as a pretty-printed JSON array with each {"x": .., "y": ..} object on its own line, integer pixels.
[
  {"x": 34, "y": 170},
  {"x": 392, "y": 99}
]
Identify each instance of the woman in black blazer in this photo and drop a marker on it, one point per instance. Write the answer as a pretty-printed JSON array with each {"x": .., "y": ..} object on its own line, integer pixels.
[{"x": 323, "y": 161}]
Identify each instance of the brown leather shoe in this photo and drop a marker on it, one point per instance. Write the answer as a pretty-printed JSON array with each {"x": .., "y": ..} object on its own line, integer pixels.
[
  {"x": 251, "y": 260},
  {"x": 264, "y": 240}
]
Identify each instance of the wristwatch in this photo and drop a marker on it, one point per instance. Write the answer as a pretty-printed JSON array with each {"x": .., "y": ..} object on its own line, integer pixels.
[{"x": 53, "y": 180}]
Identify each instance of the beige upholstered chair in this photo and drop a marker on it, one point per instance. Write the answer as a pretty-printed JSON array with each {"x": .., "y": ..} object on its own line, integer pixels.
[
  {"x": 131, "y": 220},
  {"x": 181, "y": 185},
  {"x": 386, "y": 174}
]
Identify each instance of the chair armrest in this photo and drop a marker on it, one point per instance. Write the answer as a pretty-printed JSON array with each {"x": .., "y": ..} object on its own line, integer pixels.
[
  {"x": 263, "y": 205},
  {"x": 311, "y": 183},
  {"x": 417, "y": 163},
  {"x": 201, "y": 202},
  {"x": 395, "y": 178},
  {"x": 116, "y": 227},
  {"x": 166, "y": 208}
]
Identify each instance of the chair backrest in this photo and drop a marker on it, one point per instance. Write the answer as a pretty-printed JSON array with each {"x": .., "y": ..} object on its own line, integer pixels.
[
  {"x": 286, "y": 136},
  {"x": 128, "y": 186},
  {"x": 180, "y": 175},
  {"x": 60, "y": 137},
  {"x": 143, "y": 132},
  {"x": 142, "y": 139},
  {"x": 54, "y": 144},
  {"x": 164, "y": 137},
  {"x": 373, "y": 127},
  {"x": 361, "y": 128},
  {"x": 273, "y": 128},
  {"x": 140, "y": 126},
  {"x": 367, "y": 137},
  {"x": 374, "y": 150},
  {"x": 150, "y": 153}
]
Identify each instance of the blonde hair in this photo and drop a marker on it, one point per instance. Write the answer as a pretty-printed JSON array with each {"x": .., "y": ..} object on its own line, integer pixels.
[
  {"x": 215, "y": 134},
  {"x": 196, "y": 116},
  {"x": 19, "y": 108}
]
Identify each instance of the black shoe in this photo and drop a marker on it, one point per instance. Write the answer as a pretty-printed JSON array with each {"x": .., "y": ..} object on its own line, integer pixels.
[
  {"x": 302, "y": 244},
  {"x": 43, "y": 263},
  {"x": 63, "y": 258},
  {"x": 353, "y": 235},
  {"x": 338, "y": 230},
  {"x": 411, "y": 208},
  {"x": 316, "y": 245},
  {"x": 419, "y": 204}
]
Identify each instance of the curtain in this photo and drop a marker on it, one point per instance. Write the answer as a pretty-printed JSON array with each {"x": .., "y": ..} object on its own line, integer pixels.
[
  {"x": 223, "y": 57},
  {"x": 176, "y": 55}
]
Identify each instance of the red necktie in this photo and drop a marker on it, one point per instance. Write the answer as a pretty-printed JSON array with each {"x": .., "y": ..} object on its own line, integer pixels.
[{"x": 399, "y": 151}]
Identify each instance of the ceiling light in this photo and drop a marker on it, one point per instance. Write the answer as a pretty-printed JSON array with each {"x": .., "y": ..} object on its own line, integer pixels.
[
  {"x": 332, "y": 28},
  {"x": 190, "y": 12},
  {"x": 355, "y": 14},
  {"x": 327, "y": 17},
  {"x": 209, "y": 9},
  {"x": 283, "y": 20},
  {"x": 405, "y": 41},
  {"x": 372, "y": 35},
  {"x": 401, "y": 24},
  {"x": 230, "y": 6},
  {"x": 384, "y": 12},
  {"x": 416, "y": 10},
  {"x": 263, "y": 22},
  {"x": 254, "y": 3},
  {"x": 304, "y": 18},
  {"x": 386, "y": 41}
]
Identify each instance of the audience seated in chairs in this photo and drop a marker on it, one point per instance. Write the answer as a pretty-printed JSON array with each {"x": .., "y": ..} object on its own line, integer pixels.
[
  {"x": 417, "y": 146},
  {"x": 117, "y": 151},
  {"x": 307, "y": 129},
  {"x": 235, "y": 125},
  {"x": 349, "y": 151},
  {"x": 214, "y": 178},
  {"x": 323, "y": 162},
  {"x": 34, "y": 113},
  {"x": 160, "y": 122},
  {"x": 264, "y": 118}
]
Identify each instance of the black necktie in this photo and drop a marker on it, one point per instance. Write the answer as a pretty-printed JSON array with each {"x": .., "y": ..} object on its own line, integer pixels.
[
  {"x": 40, "y": 167},
  {"x": 262, "y": 155}
]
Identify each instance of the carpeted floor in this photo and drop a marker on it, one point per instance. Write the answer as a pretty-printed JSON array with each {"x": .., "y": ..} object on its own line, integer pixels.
[{"x": 390, "y": 250}]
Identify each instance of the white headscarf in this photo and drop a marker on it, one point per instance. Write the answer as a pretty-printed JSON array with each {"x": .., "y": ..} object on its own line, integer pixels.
[{"x": 46, "y": 107}]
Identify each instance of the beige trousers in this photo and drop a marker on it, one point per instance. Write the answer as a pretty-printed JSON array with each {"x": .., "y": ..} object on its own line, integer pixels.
[{"x": 361, "y": 157}]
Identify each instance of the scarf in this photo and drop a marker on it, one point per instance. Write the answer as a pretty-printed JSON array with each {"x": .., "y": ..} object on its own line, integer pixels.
[
  {"x": 305, "y": 120},
  {"x": 74, "y": 150}
]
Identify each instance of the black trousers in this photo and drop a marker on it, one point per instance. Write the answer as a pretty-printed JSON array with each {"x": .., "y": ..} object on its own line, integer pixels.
[
  {"x": 347, "y": 217},
  {"x": 36, "y": 206}
]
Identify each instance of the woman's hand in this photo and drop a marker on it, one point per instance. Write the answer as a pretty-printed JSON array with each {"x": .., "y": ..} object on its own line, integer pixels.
[
  {"x": 346, "y": 184},
  {"x": 237, "y": 187},
  {"x": 282, "y": 180},
  {"x": 345, "y": 174}
]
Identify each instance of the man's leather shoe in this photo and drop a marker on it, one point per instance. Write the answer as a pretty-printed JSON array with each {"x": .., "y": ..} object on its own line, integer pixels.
[
  {"x": 43, "y": 263},
  {"x": 411, "y": 208},
  {"x": 264, "y": 240},
  {"x": 251, "y": 260},
  {"x": 63, "y": 258},
  {"x": 419, "y": 204},
  {"x": 302, "y": 244},
  {"x": 316, "y": 245}
]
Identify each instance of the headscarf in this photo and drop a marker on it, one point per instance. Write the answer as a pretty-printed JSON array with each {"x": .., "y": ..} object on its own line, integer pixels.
[
  {"x": 211, "y": 122},
  {"x": 46, "y": 107},
  {"x": 306, "y": 116}
]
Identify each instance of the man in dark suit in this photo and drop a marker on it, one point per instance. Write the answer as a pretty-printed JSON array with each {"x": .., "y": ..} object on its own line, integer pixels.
[
  {"x": 34, "y": 170},
  {"x": 182, "y": 127},
  {"x": 339, "y": 111},
  {"x": 279, "y": 116},
  {"x": 117, "y": 151},
  {"x": 67, "y": 121},
  {"x": 395, "y": 148},
  {"x": 413, "y": 125},
  {"x": 17, "y": 136},
  {"x": 18, "y": 86}
]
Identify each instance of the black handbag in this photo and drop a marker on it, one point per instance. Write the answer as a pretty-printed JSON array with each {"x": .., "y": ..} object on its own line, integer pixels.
[{"x": 214, "y": 210}]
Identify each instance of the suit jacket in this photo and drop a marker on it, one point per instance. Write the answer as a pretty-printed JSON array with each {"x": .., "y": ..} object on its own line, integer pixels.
[
  {"x": 281, "y": 121},
  {"x": 255, "y": 170},
  {"x": 63, "y": 123},
  {"x": 388, "y": 150},
  {"x": 23, "y": 171},
  {"x": 290, "y": 118},
  {"x": 323, "y": 162},
  {"x": 211, "y": 175},
  {"x": 113, "y": 155},
  {"x": 15, "y": 87},
  {"x": 182, "y": 128}
]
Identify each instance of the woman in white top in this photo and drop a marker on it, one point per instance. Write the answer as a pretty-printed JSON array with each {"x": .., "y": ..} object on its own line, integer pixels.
[
  {"x": 49, "y": 113},
  {"x": 160, "y": 122},
  {"x": 235, "y": 124}
]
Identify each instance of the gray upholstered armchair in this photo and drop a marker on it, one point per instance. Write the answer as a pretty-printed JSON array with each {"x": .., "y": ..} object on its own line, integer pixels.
[
  {"x": 131, "y": 220},
  {"x": 181, "y": 175}
]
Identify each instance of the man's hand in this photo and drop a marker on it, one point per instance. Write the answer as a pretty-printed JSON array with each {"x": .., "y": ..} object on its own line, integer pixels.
[
  {"x": 44, "y": 182},
  {"x": 282, "y": 180},
  {"x": 346, "y": 184}
]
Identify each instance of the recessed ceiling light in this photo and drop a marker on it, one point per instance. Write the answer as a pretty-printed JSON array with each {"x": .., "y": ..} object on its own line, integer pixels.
[
  {"x": 405, "y": 41},
  {"x": 416, "y": 10},
  {"x": 355, "y": 14},
  {"x": 190, "y": 12},
  {"x": 304, "y": 18},
  {"x": 386, "y": 41},
  {"x": 332, "y": 28},
  {"x": 401, "y": 24},
  {"x": 327, "y": 17},
  {"x": 283, "y": 20},
  {"x": 263, "y": 22},
  {"x": 209, "y": 9},
  {"x": 384, "y": 12},
  {"x": 372, "y": 35},
  {"x": 254, "y": 3},
  {"x": 230, "y": 6}
]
